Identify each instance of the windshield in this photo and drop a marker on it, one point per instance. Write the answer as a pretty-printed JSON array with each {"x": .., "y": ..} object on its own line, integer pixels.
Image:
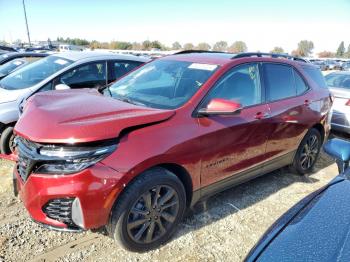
[
  {"x": 8, "y": 67},
  {"x": 338, "y": 80},
  {"x": 34, "y": 73},
  {"x": 162, "y": 84}
]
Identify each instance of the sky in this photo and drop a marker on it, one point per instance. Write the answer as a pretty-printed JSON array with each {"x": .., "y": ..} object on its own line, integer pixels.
[{"x": 262, "y": 24}]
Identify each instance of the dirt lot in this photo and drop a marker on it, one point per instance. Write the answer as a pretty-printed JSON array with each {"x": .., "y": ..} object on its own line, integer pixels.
[{"x": 224, "y": 228}]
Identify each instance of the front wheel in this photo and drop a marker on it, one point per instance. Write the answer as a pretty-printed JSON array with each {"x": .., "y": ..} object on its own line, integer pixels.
[
  {"x": 148, "y": 211},
  {"x": 307, "y": 153},
  {"x": 7, "y": 144}
]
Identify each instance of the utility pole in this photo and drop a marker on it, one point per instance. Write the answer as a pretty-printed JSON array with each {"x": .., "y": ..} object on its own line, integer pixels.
[{"x": 25, "y": 16}]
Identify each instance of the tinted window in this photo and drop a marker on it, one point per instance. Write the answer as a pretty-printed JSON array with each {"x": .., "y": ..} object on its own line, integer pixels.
[
  {"x": 300, "y": 83},
  {"x": 92, "y": 75},
  {"x": 316, "y": 75},
  {"x": 279, "y": 81},
  {"x": 241, "y": 84},
  {"x": 121, "y": 68},
  {"x": 162, "y": 84}
]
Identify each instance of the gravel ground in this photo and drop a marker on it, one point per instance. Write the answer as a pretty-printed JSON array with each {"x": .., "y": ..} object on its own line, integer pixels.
[{"x": 223, "y": 228}]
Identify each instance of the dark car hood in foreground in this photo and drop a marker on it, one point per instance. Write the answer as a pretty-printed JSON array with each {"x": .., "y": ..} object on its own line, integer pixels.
[
  {"x": 81, "y": 116},
  {"x": 316, "y": 229}
]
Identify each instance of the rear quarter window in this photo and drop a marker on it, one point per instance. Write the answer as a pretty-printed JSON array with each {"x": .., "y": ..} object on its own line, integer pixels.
[{"x": 316, "y": 76}]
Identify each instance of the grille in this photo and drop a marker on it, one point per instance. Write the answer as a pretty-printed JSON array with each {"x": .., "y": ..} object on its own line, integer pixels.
[
  {"x": 26, "y": 157},
  {"x": 60, "y": 210}
]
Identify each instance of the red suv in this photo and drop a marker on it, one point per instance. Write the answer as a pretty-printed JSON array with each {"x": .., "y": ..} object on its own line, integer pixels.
[{"x": 181, "y": 127}]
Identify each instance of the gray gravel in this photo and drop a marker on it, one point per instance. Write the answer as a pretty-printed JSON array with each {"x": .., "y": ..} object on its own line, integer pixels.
[{"x": 223, "y": 228}]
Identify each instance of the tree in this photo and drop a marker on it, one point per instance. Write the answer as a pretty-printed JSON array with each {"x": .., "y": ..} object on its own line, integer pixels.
[
  {"x": 220, "y": 46},
  {"x": 188, "y": 46},
  {"x": 146, "y": 45},
  {"x": 347, "y": 54},
  {"x": 305, "y": 48},
  {"x": 277, "y": 50},
  {"x": 341, "y": 50},
  {"x": 156, "y": 45},
  {"x": 203, "y": 46},
  {"x": 136, "y": 46},
  {"x": 325, "y": 54},
  {"x": 238, "y": 47},
  {"x": 176, "y": 46}
]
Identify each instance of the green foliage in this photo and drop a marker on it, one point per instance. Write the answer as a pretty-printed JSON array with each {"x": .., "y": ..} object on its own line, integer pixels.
[
  {"x": 188, "y": 46},
  {"x": 238, "y": 47},
  {"x": 305, "y": 48},
  {"x": 220, "y": 46},
  {"x": 341, "y": 50},
  {"x": 347, "y": 54},
  {"x": 176, "y": 46},
  {"x": 203, "y": 46},
  {"x": 277, "y": 50}
]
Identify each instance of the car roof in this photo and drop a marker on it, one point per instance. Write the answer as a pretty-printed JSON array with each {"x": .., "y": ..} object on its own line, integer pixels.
[
  {"x": 208, "y": 58},
  {"x": 223, "y": 58},
  {"x": 83, "y": 55}
]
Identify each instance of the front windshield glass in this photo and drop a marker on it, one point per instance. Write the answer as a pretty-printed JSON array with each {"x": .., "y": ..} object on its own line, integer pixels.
[
  {"x": 338, "y": 80},
  {"x": 34, "y": 73},
  {"x": 163, "y": 84},
  {"x": 8, "y": 67}
]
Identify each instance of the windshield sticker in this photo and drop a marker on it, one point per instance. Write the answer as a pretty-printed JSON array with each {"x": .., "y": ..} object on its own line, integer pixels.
[
  {"x": 60, "y": 61},
  {"x": 203, "y": 66},
  {"x": 17, "y": 63}
]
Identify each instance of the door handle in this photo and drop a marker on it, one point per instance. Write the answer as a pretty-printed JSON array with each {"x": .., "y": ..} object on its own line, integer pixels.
[{"x": 261, "y": 115}]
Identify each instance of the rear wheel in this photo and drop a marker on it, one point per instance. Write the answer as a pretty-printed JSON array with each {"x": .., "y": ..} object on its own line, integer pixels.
[
  {"x": 307, "y": 153},
  {"x": 7, "y": 145},
  {"x": 148, "y": 211}
]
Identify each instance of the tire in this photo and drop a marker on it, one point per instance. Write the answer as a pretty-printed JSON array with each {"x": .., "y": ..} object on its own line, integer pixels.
[
  {"x": 305, "y": 158},
  {"x": 6, "y": 140},
  {"x": 146, "y": 228}
]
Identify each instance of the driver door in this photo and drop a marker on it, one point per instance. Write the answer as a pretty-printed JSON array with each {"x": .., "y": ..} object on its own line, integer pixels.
[{"x": 233, "y": 146}]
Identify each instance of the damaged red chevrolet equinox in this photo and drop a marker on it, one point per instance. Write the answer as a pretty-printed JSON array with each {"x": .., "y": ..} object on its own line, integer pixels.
[{"x": 180, "y": 128}]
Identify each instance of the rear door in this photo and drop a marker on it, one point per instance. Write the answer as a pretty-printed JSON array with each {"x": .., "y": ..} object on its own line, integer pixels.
[
  {"x": 287, "y": 96},
  {"x": 232, "y": 144}
]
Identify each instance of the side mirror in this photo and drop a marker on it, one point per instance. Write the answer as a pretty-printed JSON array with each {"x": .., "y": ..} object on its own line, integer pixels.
[
  {"x": 61, "y": 87},
  {"x": 340, "y": 150},
  {"x": 218, "y": 106}
]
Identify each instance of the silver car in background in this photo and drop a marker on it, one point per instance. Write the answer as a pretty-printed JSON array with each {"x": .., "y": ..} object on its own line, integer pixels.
[
  {"x": 56, "y": 72},
  {"x": 339, "y": 85}
]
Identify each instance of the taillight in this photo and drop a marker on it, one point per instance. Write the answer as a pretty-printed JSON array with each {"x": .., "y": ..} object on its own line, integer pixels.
[{"x": 347, "y": 103}]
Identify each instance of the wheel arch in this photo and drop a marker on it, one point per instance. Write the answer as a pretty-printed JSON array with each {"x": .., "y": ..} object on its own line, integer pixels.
[{"x": 320, "y": 128}]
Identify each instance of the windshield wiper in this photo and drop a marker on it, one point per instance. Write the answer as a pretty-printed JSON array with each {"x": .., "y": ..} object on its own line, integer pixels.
[{"x": 128, "y": 100}]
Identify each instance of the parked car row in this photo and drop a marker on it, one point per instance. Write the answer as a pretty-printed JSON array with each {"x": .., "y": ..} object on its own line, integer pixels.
[{"x": 330, "y": 64}]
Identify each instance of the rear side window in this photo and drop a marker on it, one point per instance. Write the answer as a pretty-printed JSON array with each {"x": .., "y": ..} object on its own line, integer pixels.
[
  {"x": 316, "y": 75},
  {"x": 121, "y": 68},
  {"x": 279, "y": 81},
  {"x": 299, "y": 83}
]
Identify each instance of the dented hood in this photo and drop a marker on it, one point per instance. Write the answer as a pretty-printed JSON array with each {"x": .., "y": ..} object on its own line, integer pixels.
[{"x": 74, "y": 116}]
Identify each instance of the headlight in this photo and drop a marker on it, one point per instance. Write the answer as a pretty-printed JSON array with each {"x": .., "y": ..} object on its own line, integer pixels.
[{"x": 66, "y": 160}]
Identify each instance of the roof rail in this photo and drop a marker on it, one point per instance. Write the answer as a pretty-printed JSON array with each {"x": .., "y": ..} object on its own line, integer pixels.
[
  {"x": 196, "y": 51},
  {"x": 272, "y": 55}
]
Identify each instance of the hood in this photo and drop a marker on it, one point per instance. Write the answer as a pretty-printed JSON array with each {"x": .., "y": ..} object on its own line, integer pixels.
[
  {"x": 10, "y": 95},
  {"x": 75, "y": 116},
  {"x": 319, "y": 232},
  {"x": 340, "y": 92}
]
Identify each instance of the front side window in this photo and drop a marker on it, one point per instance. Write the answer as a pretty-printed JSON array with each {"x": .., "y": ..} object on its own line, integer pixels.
[
  {"x": 8, "y": 67},
  {"x": 34, "y": 73},
  {"x": 279, "y": 81},
  {"x": 92, "y": 75},
  {"x": 163, "y": 84},
  {"x": 241, "y": 84}
]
